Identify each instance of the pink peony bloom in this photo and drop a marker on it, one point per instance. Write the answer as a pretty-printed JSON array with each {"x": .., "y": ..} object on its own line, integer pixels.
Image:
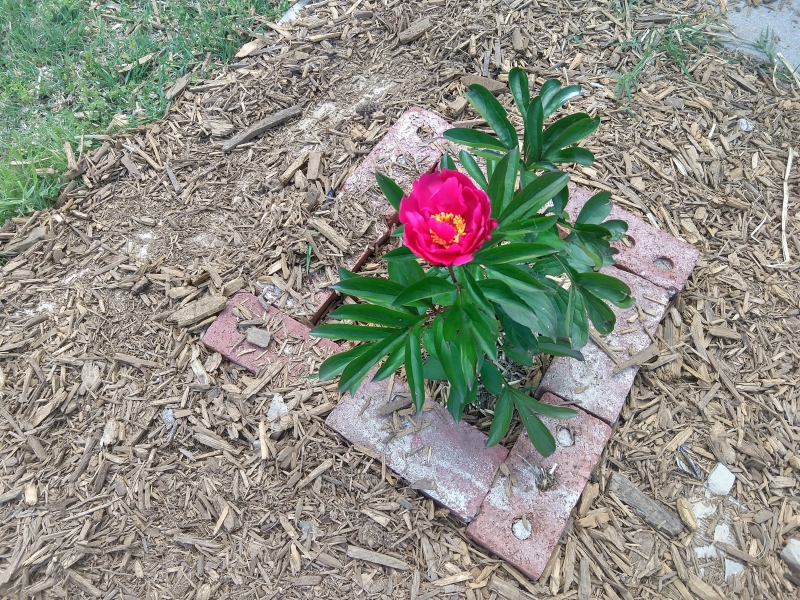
[{"x": 446, "y": 217}]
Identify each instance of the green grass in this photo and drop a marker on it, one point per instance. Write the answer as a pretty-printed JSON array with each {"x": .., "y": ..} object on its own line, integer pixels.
[
  {"x": 60, "y": 63},
  {"x": 680, "y": 42}
]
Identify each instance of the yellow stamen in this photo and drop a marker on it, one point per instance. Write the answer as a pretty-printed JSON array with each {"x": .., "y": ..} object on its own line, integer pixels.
[{"x": 456, "y": 221}]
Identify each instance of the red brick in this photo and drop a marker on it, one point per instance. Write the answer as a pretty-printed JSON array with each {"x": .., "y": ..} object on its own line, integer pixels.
[
  {"x": 656, "y": 255},
  {"x": 548, "y": 511},
  {"x": 225, "y": 337},
  {"x": 410, "y": 147},
  {"x": 460, "y": 468},
  {"x": 592, "y": 383}
]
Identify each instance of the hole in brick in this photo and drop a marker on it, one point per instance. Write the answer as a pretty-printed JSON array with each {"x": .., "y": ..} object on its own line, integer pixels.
[
  {"x": 425, "y": 133},
  {"x": 521, "y": 528},
  {"x": 544, "y": 479},
  {"x": 628, "y": 241},
  {"x": 662, "y": 263},
  {"x": 564, "y": 437}
]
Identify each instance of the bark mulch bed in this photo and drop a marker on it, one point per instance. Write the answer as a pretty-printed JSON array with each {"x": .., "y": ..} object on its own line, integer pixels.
[{"x": 131, "y": 460}]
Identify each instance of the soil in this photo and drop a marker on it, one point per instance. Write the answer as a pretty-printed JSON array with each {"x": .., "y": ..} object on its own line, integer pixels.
[{"x": 103, "y": 494}]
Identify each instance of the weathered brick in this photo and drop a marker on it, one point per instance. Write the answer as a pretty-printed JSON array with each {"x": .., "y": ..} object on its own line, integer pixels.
[
  {"x": 412, "y": 146},
  {"x": 579, "y": 444},
  {"x": 592, "y": 383},
  {"x": 225, "y": 336},
  {"x": 456, "y": 472},
  {"x": 656, "y": 255}
]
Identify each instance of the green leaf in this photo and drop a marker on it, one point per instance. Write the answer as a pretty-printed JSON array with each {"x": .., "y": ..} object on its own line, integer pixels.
[
  {"x": 491, "y": 158},
  {"x": 503, "y": 410},
  {"x": 492, "y": 378},
  {"x": 453, "y": 320},
  {"x": 560, "y": 98},
  {"x": 405, "y": 272},
  {"x": 473, "y": 170},
  {"x": 398, "y": 231},
  {"x": 560, "y": 200},
  {"x": 450, "y": 359},
  {"x": 576, "y": 155},
  {"x": 401, "y": 253},
  {"x": 359, "y": 333},
  {"x": 490, "y": 109},
  {"x": 370, "y": 313},
  {"x": 547, "y": 410},
  {"x": 573, "y": 134},
  {"x": 540, "y": 436},
  {"x": 473, "y": 290},
  {"x": 549, "y": 89},
  {"x": 513, "y": 253},
  {"x": 392, "y": 191},
  {"x": 518, "y": 278},
  {"x": 601, "y": 315},
  {"x": 473, "y": 139},
  {"x": 557, "y": 349},
  {"x": 596, "y": 209},
  {"x": 432, "y": 369},
  {"x": 354, "y": 373},
  {"x": 447, "y": 162},
  {"x": 414, "y": 374},
  {"x": 503, "y": 180},
  {"x": 520, "y": 90},
  {"x": 534, "y": 196},
  {"x": 393, "y": 362},
  {"x": 532, "y": 312},
  {"x": 616, "y": 227},
  {"x": 484, "y": 329},
  {"x": 527, "y": 226},
  {"x": 469, "y": 357},
  {"x": 336, "y": 363},
  {"x": 561, "y": 125},
  {"x": 422, "y": 289},
  {"x": 606, "y": 287},
  {"x": 533, "y": 119},
  {"x": 371, "y": 289}
]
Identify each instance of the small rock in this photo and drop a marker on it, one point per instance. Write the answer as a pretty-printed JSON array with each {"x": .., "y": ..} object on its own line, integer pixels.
[
  {"x": 564, "y": 437},
  {"x": 732, "y": 567},
  {"x": 745, "y": 125},
  {"x": 721, "y": 480},
  {"x": 791, "y": 555},
  {"x": 258, "y": 337},
  {"x": 521, "y": 529},
  {"x": 794, "y": 462}
]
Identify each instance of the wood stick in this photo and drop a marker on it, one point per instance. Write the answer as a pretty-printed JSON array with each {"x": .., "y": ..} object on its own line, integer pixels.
[
  {"x": 652, "y": 511},
  {"x": 261, "y": 126}
]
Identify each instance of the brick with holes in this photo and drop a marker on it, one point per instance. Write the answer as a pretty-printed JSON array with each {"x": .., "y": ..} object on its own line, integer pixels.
[
  {"x": 593, "y": 383},
  {"x": 441, "y": 459},
  {"x": 655, "y": 254},
  {"x": 525, "y": 512}
]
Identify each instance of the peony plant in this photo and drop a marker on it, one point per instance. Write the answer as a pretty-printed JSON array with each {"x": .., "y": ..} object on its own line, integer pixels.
[{"x": 503, "y": 274}]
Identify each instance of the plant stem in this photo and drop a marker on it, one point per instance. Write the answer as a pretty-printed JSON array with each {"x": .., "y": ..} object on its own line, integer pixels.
[{"x": 453, "y": 276}]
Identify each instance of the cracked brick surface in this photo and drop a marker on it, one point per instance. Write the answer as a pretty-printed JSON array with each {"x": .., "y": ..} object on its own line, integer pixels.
[
  {"x": 592, "y": 383},
  {"x": 444, "y": 460},
  {"x": 290, "y": 342},
  {"x": 579, "y": 443},
  {"x": 656, "y": 255}
]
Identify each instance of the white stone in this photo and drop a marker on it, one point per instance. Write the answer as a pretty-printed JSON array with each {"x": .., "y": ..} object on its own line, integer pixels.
[
  {"x": 732, "y": 567},
  {"x": 564, "y": 437},
  {"x": 720, "y": 481},
  {"x": 521, "y": 529},
  {"x": 791, "y": 555}
]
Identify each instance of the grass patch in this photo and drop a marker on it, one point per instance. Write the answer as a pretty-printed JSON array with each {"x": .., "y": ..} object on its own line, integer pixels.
[
  {"x": 64, "y": 72},
  {"x": 679, "y": 42}
]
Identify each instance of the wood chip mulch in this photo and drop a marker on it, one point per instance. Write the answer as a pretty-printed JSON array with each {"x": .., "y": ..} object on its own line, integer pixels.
[{"x": 131, "y": 462}]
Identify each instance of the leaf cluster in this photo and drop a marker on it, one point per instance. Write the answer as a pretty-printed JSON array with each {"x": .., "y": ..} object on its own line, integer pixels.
[{"x": 535, "y": 286}]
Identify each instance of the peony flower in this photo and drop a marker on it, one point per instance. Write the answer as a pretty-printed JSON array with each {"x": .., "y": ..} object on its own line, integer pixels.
[{"x": 446, "y": 218}]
